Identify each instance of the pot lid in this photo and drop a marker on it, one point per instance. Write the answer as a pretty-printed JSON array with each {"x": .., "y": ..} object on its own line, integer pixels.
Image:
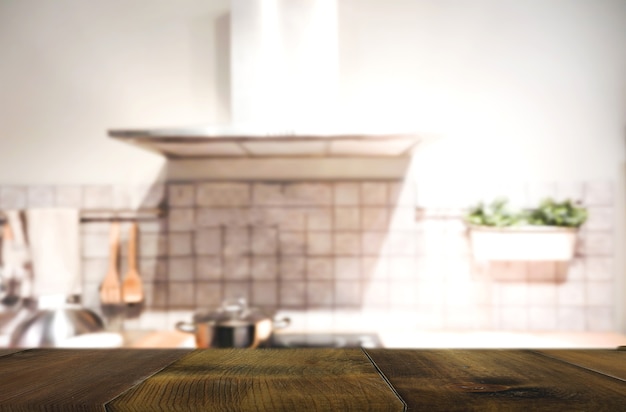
[{"x": 232, "y": 312}]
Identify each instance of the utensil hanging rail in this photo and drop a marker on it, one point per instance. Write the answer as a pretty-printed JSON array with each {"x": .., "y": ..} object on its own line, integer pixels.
[
  {"x": 439, "y": 213},
  {"x": 114, "y": 215}
]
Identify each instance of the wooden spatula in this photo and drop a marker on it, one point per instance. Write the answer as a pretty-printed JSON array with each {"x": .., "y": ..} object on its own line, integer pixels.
[
  {"x": 110, "y": 289},
  {"x": 132, "y": 288}
]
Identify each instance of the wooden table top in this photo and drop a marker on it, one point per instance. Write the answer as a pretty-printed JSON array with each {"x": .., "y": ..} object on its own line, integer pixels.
[{"x": 312, "y": 379}]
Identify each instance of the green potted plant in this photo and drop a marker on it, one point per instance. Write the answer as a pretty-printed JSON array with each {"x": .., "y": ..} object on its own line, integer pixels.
[{"x": 547, "y": 232}]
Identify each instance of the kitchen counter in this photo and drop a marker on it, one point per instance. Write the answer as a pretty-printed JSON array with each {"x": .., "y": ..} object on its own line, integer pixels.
[
  {"x": 312, "y": 379},
  {"x": 402, "y": 339}
]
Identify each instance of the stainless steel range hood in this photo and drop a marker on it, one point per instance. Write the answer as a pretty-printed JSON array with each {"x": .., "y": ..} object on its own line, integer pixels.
[
  {"x": 284, "y": 65},
  {"x": 207, "y": 142}
]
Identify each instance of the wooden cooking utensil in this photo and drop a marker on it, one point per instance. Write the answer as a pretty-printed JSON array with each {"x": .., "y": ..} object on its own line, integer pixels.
[
  {"x": 110, "y": 289},
  {"x": 132, "y": 288}
]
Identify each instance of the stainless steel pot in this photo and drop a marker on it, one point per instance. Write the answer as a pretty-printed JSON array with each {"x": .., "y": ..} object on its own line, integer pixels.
[
  {"x": 50, "y": 327},
  {"x": 233, "y": 325}
]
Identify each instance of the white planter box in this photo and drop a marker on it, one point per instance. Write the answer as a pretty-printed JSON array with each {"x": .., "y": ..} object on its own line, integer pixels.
[{"x": 523, "y": 242}]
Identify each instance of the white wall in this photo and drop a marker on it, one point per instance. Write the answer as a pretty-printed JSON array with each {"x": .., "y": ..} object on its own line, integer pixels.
[
  {"x": 523, "y": 90},
  {"x": 70, "y": 70}
]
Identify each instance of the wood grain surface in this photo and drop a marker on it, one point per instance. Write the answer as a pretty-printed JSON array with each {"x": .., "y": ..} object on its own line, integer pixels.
[
  {"x": 312, "y": 379},
  {"x": 4, "y": 352},
  {"x": 264, "y": 380},
  {"x": 495, "y": 380},
  {"x": 72, "y": 380},
  {"x": 605, "y": 361}
]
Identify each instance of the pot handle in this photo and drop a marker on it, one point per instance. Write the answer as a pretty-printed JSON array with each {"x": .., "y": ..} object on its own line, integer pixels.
[
  {"x": 282, "y": 323},
  {"x": 187, "y": 327}
]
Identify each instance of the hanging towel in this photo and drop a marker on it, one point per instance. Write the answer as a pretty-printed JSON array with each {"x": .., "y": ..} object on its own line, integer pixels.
[
  {"x": 54, "y": 241},
  {"x": 15, "y": 253}
]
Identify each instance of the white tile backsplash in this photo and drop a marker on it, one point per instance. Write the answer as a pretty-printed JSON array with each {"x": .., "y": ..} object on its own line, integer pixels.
[
  {"x": 264, "y": 241},
  {"x": 153, "y": 244},
  {"x": 600, "y": 293},
  {"x": 324, "y": 247},
  {"x": 236, "y": 242},
  {"x": 574, "y": 191},
  {"x": 181, "y": 219},
  {"x": 537, "y": 192},
  {"x": 571, "y": 318},
  {"x": 237, "y": 267},
  {"x": 13, "y": 197},
  {"x": 403, "y": 295},
  {"x": 377, "y": 218},
  {"x": 40, "y": 196},
  {"x": 347, "y": 194},
  {"x": 347, "y": 218},
  {"x": 513, "y": 318},
  {"x": 293, "y": 293},
  {"x": 94, "y": 269},
  {"x": 600, "y": 319},
  {"x": 292, "y": 243},
  {"x": 372, "y": 243},
  {"x": 181, "y": 195},
  {"x": 308, "y": 194},
  {"x": 181, "y": 269},
  {"x": 149, "y": 196},
  {"x": 319, "y": 268},
  {"x": 601, "y": 218},
  {"x": 98, "y": 197},
  {"x": 571, "y": 293},
  {"x": 347, "y": 268},
  {"x": 95, "y": 245},
  {"x": 320, "y": 293},
  {"x": 319, "y": 219},
  {"x": 223, "y": 194},
  {"x": 346, "y": 243},
  {"x": 237, "y": 290},
  {"x": 208, "y": 295},
  {"x": 292, "y": 267},
  {"x": 319, "y": 243},
  {"x": 596, "y": 244},
  {"x": 264, "y": 268},
  {"x": 542, "y": 318},
  {"x": 264, "y": 293},
  {"x": 180, "y": 244},
  {"x": 208, "y": 242},
  {"x": 69, "y": 196},
  {"x": 403, "y": 194},
  {"x": 376, "y": 293},
  {"x": 291, "y": 218},
  {"x": 599, "y": 268},
  {"x": 598, "y": 193},
  {"x": 182, "y": 295},
  {"x": 347, "y": 293},
  {"x": 542, "y": 294},
  {"x": 152, "y": 269},
  {"x": 374, "y": 194},
  {"x": 208, "y": 268},
  {"x": 268, "y": 194}
]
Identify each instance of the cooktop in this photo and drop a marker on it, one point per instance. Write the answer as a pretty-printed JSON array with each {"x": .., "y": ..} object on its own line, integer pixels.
[{"x": 324, "y": 340}]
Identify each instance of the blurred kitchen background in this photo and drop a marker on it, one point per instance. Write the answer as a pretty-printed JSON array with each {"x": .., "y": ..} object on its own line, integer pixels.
[{"x": 524, "y": 99}]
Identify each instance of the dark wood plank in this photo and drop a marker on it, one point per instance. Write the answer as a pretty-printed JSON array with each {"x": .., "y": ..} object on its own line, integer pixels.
[
  {"x": 264, "y": 380},
  {"x": 4, "y": 352},
  {"x": 495, "y": 380},
  {"x": 71, "y": 379},
  {"x": 605, "y": 361}
]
